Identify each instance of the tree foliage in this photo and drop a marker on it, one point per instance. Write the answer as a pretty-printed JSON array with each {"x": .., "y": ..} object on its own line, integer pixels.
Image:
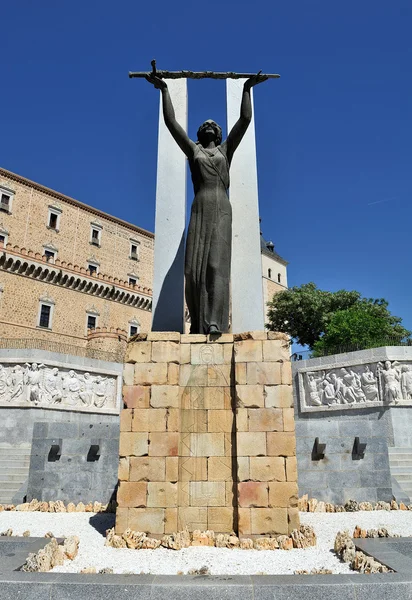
[{"x": 323, "y": 320}]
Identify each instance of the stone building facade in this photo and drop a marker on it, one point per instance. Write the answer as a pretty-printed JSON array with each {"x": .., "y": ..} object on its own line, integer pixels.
[{"x": 66, "y": 267}]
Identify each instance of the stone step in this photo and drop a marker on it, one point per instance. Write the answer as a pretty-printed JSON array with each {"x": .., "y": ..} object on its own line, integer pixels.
[
  {"x": 403, "y": 477},
  {"x": 23, "y": 471},
  {"x": 401, "y": 469},
  {"x": 7, "y": 486},
  {"x": 399, "y": 450}
]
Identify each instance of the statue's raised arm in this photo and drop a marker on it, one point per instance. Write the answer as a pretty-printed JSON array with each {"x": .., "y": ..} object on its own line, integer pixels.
[
  {"x": 239, "y": 128},
  {"x": 177, "y": 131}
]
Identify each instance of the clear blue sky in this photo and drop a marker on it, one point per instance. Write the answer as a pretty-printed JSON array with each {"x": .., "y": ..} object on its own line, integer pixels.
[{"x": 334, "y": 133}]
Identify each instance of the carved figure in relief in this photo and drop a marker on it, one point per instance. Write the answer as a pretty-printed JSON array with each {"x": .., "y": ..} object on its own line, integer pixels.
[
  {"x": 71, "y": 388},
  {"x": 86, "y": 390},
  {"x": 314, "y": 384},
  {"x": 369, "y": 385},
  {"x": 100, "y": 391},
  {"x": 353, "y": 390},
  {"x": 17, "y": 380},
  {"x": 406, "y": 382},
  {"x": 391, "y": 376},
  {"x": 52, "y": 386},
  {"x": 329, "y": 391},
  {"x": 33, "y": 381}
]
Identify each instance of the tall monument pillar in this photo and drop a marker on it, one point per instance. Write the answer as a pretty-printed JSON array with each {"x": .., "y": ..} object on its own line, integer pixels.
[
  {"x": 246, "y": 270},
  {"x": 170, "y": 220}
]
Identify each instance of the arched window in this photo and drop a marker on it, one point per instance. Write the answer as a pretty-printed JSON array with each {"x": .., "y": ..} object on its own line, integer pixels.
[{"x": 270, "y": 273}]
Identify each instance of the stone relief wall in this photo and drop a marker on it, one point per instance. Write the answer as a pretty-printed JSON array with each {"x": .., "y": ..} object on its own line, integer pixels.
[
  {"x": 48, "y": 386},
  {"x": 347, "y": 387}
]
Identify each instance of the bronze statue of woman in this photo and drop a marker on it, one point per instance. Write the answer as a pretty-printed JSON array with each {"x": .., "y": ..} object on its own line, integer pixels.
[{"x": 209, "y": 239}]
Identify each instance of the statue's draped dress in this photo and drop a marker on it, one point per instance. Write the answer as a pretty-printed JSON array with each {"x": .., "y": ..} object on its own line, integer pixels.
[{"x": 209, "y": 239}]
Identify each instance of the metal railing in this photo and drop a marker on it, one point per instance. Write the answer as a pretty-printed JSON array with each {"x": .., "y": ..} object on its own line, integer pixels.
[
  {"x": 61, "y": 348},
  {"x": 345, "y": 348}
]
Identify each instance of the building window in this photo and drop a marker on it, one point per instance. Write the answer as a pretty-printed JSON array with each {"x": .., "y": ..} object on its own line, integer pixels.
[
  {"x": 91, "y": 321},
  {"x": 53, "y": 218},
  {"x": 132, "y": 281},
  {"x": 134, "y": 327},
  {"x": 270, "y": 273},
  {"x": 6, "y": 200},
  {"x": 134, "y": 249},
  {"x": 50, "y": 255},
  {"x": 92, "y": 268},
  {"x": 3, "y": 240},
  {"x": 45, "y": 313},
  {"x": 278, "y": 277},
  {"x": 96, "y": 234}
]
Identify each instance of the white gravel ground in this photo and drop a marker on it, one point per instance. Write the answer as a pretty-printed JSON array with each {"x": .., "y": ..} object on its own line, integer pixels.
[{"x": 221, "y": 561}]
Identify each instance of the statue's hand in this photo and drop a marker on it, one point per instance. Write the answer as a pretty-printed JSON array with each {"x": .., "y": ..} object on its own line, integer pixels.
[
  {"x": 255, "y": 80},
  {"x": 159, "y": 84}
]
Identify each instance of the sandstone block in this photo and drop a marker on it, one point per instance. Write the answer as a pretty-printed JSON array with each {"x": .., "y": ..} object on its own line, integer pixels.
[
  {"x": 264, "y": 373},
  {"x": 219, "y": 420},
  {"x": 163, "y": 336},
  {"x": 276, "y": 350},
  {"x": 193, "y": 338},
  {"x": 291, "y": 468},
  {"x": 184, "y": 354},
  {"x": 126, "y": 419},
  {"x": 161, "y": 494},
  {"x": 243, "y": 469},
  {"x": 132, "y": 494},
  {"x": 278, "y": 396},
  {"x": 173, "y": 371},
  {"x": 171, "y": 520},
  {"x": 250, "y": 335},
  {"x": 203, "y": 444},
  {"x": 173, "y": 419},
  {"x": 269, "y": 521},
  {"x": 251, "y": 443},
  {"x": 158, "y": 418},
  {"x": 222, "y": 338},
  {"x": 242, "y": 419},
  {"x": 136, "y": 396},
  {"x": 140, "y": 420},
  {"x": 201, "y": 354},
  {"x": 192, "y": 518},
  {"x": 172, "y": 469},
  {"x": 193, "y": 421},
  {"x": 283, "y": 494},
  {"x": 266, "y": 419},
  {"x": 163, "y": 352},
  {"x": 281, "y": 443},
  {"x": 293, "y": 519},
  {"x": 163, "y": 444},
  {"x": 207, "y": 493},
  {"x": 267, "y": 468},
  {"x": 278, "y": 335},
  {"x": 248, "y": 351},
  {"x": 133, "y": 444},
  {"x": 150, "y": 373},
  {"x": 218, "y": 398},
  {"x": 146, "y": 468},
  {"x": 193, "y": 375},
  {"x": 128, "y": 374},
  {"x": 287, "y": 373},
  {"x": 138, "y": 352},
  {"x": 240, "y": 374},
  {"x": 124, "y": 467},
  {"x": 149, "y": 520},
  {"x": 252, "y": 494},
  {"x": 165, "y": 396},
  {"x": 219, "y": 468},
  {"x": 193, "y": 469},
  {"x": 219, "y": 375},
  {"x": 228, "y": 354},
  {"x": 121, "y": 520},
  {"x": 228, "y": 443},
  {"x": 220, "y": 519},
  {"x": 250, "y": 396},
  {"x": 288, "y": 419},
  {"x": 245, "y": 522}
]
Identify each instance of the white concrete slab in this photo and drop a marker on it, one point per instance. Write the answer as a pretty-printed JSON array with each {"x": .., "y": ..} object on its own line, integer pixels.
[
  {"x": 246, "y": 275},
  {"x": 168, "y": 280}
]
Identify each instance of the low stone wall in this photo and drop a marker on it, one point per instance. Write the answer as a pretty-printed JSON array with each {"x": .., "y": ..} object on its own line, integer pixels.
[
  {"x": 207, "y": 439},
  {"x": 366, "y": 395}
]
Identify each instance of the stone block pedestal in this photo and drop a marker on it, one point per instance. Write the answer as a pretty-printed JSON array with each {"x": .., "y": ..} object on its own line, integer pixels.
[{"x": 207, "y": 436}]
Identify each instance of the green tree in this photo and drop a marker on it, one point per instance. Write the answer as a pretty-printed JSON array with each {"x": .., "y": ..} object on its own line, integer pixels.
[{"x": 322, "y": 320}]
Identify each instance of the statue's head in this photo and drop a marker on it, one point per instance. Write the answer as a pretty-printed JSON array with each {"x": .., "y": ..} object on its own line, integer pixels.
[{"x": 209, "y": 130}]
